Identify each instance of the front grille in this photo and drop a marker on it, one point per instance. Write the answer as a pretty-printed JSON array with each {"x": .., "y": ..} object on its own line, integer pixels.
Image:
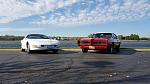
[
  {"x": 99, "y": 43},
  {"x": 85, "y": 43}
]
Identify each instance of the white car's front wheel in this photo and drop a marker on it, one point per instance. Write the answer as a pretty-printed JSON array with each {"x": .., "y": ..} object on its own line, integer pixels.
[
  {"x": 28, "y": 48},
  {"x": 23, "y": 50}
]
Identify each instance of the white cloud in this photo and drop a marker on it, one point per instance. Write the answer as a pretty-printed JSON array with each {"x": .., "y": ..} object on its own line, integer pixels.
[
  {"x": 11, "y": 10},
  {"x": 104, "y": 10},
  {"x": 19, "y": 30},
  {"x": 74, "y": 11}
]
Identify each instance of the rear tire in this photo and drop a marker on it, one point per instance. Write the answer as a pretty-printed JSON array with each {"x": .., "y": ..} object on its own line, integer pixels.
[
  {"x": 55, "y": 51},
  {"x": 118, "y": 49},
  {"x": 84, "y": 50},
  {"x": 110, "y": 50}
]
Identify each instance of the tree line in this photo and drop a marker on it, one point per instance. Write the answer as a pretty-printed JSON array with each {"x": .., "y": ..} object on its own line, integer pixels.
[
  {"x": 121, "y": 37},
  {"x": 11, "y": 37},
  {"x": 132, "y": 37}
]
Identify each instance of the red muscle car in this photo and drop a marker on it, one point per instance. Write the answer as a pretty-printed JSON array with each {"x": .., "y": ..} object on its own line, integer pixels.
[{"x": 100, "y": 41}]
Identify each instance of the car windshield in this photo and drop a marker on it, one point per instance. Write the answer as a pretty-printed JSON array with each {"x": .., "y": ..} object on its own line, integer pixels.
[
  {"x": 98, "y": 35},
  {"x": 37, "y": 36}
]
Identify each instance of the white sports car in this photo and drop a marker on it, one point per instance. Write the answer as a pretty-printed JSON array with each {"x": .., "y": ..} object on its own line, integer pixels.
[{"x": 39, "y": 42}]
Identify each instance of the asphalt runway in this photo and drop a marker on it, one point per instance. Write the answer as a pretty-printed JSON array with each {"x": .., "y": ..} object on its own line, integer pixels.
[{"x": 75, "y": 67}]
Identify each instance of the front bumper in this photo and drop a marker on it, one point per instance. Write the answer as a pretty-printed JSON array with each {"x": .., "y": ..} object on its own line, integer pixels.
[
  {"x": 45, "y": 47},
  {"x": 100, "y": 47}
]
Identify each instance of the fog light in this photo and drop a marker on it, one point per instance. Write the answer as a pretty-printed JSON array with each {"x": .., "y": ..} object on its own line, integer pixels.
[{"x": 36, "y": 46}]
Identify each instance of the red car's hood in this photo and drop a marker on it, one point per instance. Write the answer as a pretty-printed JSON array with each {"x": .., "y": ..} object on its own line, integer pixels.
[
  {"x": 102, "y": 38},
  {"x": 85, "y": 39}
]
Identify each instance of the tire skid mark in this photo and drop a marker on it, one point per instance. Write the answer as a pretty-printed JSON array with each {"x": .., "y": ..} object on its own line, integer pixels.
[
  {"x": 31, "y": 74},
  {"x": 10, "y": 59},
  {"x": 69, "y": 66}
]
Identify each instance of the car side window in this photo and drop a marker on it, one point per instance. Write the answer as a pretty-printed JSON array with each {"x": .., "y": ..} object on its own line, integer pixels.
[
  {"x": 114, "y": 36},
  {"x": 28, "y": 36}
]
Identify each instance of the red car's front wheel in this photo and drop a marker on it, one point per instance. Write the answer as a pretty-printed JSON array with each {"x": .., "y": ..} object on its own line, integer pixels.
[{"x": 84, "y": 50}]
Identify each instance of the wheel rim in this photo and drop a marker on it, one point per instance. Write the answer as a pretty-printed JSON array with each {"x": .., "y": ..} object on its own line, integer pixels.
[{"x": 28, "y": 48}]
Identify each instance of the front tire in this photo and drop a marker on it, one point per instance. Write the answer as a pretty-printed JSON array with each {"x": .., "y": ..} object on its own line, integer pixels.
[
  {"x": 22, "y": 50},
  {"x": 28, "y": 49},
  {"x": 84, "y": 50}
]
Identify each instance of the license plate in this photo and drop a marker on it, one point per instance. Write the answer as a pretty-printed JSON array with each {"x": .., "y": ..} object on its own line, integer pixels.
[{"x": 91, "y": 47}]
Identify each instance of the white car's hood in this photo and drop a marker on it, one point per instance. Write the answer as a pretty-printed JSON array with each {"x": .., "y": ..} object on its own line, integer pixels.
[{"x": 44, "y": 41}]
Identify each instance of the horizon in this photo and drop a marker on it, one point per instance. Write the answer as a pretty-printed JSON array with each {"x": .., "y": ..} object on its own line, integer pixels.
[
  {"x": 69, "y": 36},
  {"x": 74, "y": 18}
]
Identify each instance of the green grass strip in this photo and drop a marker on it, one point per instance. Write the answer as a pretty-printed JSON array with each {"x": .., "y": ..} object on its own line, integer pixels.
[{"x": 78, "y": 48}]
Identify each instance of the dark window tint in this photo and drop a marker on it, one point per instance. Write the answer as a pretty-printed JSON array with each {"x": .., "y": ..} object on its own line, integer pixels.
[
  {"x": 98, "y": 35},
  {"x": 115, "y": 36},
  {"x": 37, "y": 36}
]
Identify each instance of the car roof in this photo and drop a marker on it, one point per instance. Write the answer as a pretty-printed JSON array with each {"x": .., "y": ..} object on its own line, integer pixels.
[
  {"x": 103, "y": 32},
  {"x": 33, "y": 34}
]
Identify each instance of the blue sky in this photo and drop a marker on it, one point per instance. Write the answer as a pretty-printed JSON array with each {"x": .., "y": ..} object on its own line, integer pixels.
[{"x": 74, "y": 17}]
